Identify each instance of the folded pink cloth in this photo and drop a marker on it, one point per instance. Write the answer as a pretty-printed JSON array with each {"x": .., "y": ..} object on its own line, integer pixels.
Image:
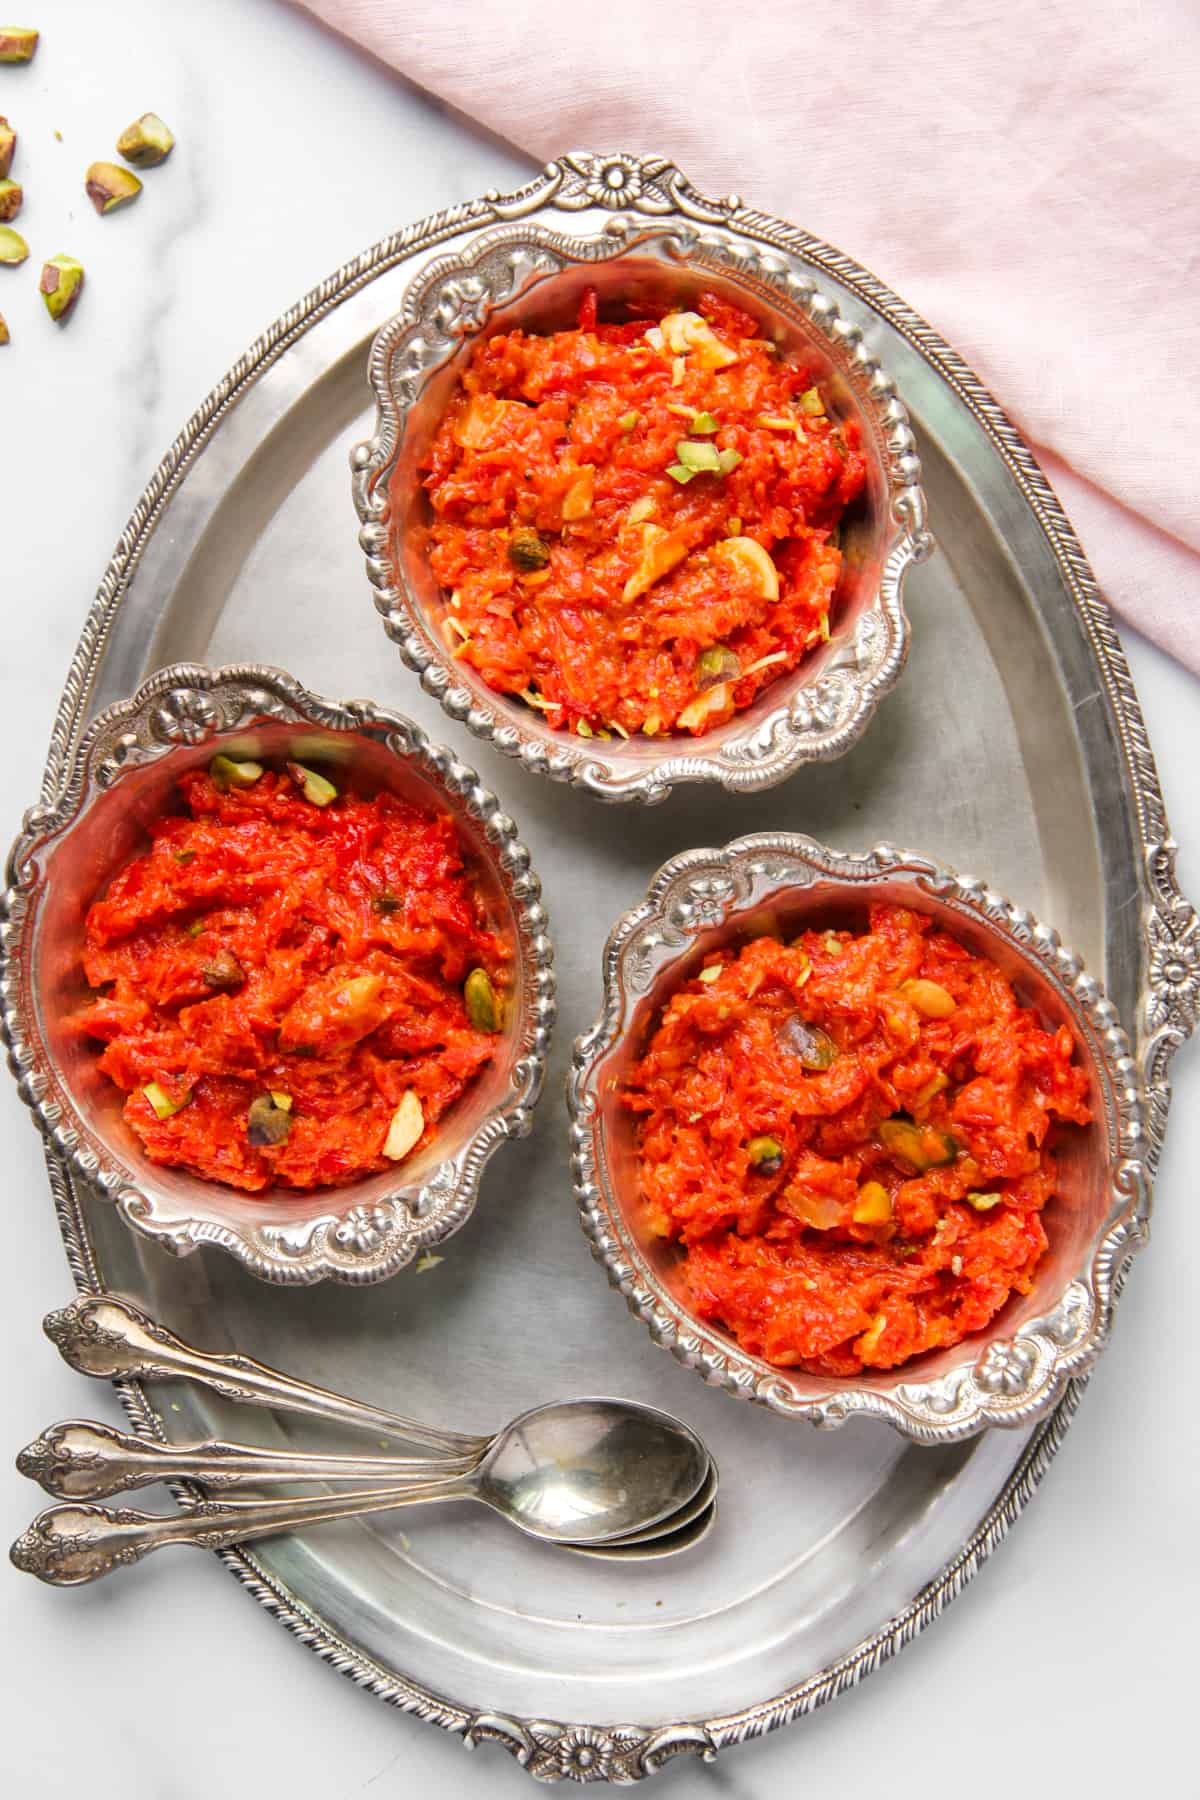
[{"x": 1026, "y": 174}]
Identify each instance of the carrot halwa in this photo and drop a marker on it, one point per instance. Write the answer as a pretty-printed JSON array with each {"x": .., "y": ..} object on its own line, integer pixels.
[
  {"x": 298, "y": 982},
  {"x": 849, "y": 1136},
  {"x": 635, "y": 523}
]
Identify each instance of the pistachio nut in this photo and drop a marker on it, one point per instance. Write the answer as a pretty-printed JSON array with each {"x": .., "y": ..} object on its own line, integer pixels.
[
  {"x": 12, "y": 197},
  {"x": 17, "y": 43},
  {"x": 267, "y": 1122},
  {"x": 146, "y": 142},
  {"x": 62, "y": 279},
  {"x": 109, "y": 186},
  {"x": 483, "y": 1005},
  {"x": 13, "y": 248},
  {"x": 315, "y": 788},
  {"x": 8, "y": 143}
]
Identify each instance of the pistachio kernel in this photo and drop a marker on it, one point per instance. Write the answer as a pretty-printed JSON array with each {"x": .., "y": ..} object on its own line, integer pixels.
[
  {"x": 4, "y": 338},
  {"x": 482, "y": 1002},
  {"x": 267, "y": 1123},
  {"x": 223, "y": 972},
  {"x": 161, "y": 1101},
  {"x": 12, "y": 196},
  {"x": 60, "y": 286},
  {"x": 13, "y": 248},
  {"x": 716, "y": 664},
  {"x": 315, "y": 788},
  {"x": 814, "y": 1048},
  {"x": 230, "y": 774},
  {"x": 766, "y": 1155},
  {"x": 984, "y": 1202},
  {"x": 528, "y": 550},
  {"x": 17, "y": 43},
  {"x": 146, "y": 142},
  {"x": 108, "y": 186},
  {"x": 873, "y": 1205},
  {"x": 8, "y": 143},
  {"x": 921, "y": 1146}
]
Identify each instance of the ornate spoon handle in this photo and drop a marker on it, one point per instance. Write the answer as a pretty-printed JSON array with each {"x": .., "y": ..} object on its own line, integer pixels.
[
  {"x": 101, "y": 1335},
  {"x": 68, "y": 1545},
  {"x": 82, "y": 1459}
]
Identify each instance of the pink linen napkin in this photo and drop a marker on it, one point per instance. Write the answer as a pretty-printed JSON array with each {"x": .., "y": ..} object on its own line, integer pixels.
[{"x": 1026, "y": 174}]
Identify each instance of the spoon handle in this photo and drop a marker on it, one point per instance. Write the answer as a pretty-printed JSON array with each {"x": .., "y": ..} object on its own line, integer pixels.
[
  {"x": 99, "y": 1334},
  {"x": 82, "y": 1459},
  {"x": 69, "y": 1545}
]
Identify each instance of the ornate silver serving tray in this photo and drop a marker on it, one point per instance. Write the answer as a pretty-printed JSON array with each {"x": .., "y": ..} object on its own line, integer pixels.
[{"x": 1013, "y": 747}]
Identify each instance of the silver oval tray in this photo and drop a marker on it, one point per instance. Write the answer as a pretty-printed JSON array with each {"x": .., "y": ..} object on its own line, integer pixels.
[{"x": 1013, "y": 748}]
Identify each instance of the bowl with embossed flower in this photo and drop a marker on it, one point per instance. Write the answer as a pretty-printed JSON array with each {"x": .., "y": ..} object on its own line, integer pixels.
[
  {"x": 639, "y": 508},
  {"x": 855, "y": 1135},
  {"x": 275, "y": 974}
]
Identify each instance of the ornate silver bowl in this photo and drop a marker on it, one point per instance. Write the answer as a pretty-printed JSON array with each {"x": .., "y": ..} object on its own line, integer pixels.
[
  {"x": 532, "y": 276},
  {"x": 1013, "y": 1373},
  {"x": 118, "y": 781}
]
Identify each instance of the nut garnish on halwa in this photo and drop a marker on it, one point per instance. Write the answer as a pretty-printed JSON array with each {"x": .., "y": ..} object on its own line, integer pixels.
[
  {"x": 298, "y": 981},
  {"x": 850, "y": 1137},
  {"x": 635, "y": 523}
]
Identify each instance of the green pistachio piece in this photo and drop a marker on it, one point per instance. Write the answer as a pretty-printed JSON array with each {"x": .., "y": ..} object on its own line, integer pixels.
[
  {"x": 704, "y": 424},
  {"x": 230, "y": 774},
  {"x": 483, "y": 1005},
  {"x": 267, "y": 1123},
  {"x": 628, "y": 421},
  {"x": 146, "y": 142},
  {"x": 161, "y": 1101},
  {"x": 698, "y": 456},
  {"x": 60, "y": 285},
  {"x": 17, "y": 43},
  {"x": 196, "y": 928},
  {"x": 224, "y": 972},
  {"x": 812, "y": 403},
  {"x": 922, "y": 1146},
  {"x": 527, "y": 550},
  {"x": 4, "y": 338},
  {"x": 183, "y": 857},
  {"x": 108, "y": 186},
  {"x": 12, "y": 195},
  {"x": 13, "y": 248},
  {"x": 984, "y": 1202},
  {"x": 728, "y": 460},
  {"x": 766, "y": 1155},
  {"x": 314, "y": 787},
  {"x": 678, "y": 473},
  {"x": 8, "y": 143},
  {"x": 716, "y": 664}
]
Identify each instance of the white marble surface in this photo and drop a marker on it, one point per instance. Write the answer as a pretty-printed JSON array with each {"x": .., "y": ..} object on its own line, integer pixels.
[{"x": 1071, "y": 1659}]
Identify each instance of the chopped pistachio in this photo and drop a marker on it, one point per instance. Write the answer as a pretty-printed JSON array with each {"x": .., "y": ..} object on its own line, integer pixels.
[
  {"x": 283, "y": 1101},
  {"x": 315, "y": 788},
  {"x": 267, "y": 1123},
  {"x": 698, "y": 456},
  {"x": 984, "y": 1202},
  {"x": 17, "y": 43},
  {"x": 813, "y": 1048},
  {"x": 230, "y": 774},
  {"x": 108, "y": 186},
  {"x": 711, "y": 974},
  {"x": 528, "y": 550},
  {"x": 921, "y": 1146},
  {"x": 4, "y": 338},
  {"x": 873, "y": 1206},
  {"x": 717, "y": 663},
  {"x": 728, "y": 460},
  {"x": 766, "y": 1155},
  {"x": 482, "y": 1001},
  {"x": 582, "y": 728},
  {"x": 162, "y": 1102},
  {"x": 60, "y": 286},
  {"x": 408, "y": 1122},
  {"x": 184, "y": 856},
  {"x": 196, "y": 928},
  {"x": 223, "y": 972},
  {"x": 681, "y": 411},
  {"x": 812, "y": 402},
  {"x": 628, "y": 422},
  {"x": 146, "y": 142},
  {"x": 12, "y": 195},
  {"x": 704, "y": 424},
  {"x": 678, "y": 473},
  {"x": 8, "y": 143},
  {"x": 13, "y": 248}
]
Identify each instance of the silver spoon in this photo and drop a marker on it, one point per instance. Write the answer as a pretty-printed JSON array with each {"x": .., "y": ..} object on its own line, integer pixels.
[
  {"x": 84, "y": 1459},
  {"x": 584, "y": 1472},
  {"x": 99, "y": 1334}
]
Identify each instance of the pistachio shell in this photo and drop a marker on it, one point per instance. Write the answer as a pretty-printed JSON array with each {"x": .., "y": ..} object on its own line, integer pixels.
[
  {"x": 146, "y": 142},
  {"x": 60, "y": 285},
  {"x": 109, "y": 186}
]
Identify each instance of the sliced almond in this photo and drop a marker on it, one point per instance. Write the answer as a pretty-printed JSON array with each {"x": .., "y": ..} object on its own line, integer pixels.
[
  {"x": 687, "y": 334},
  {"x": 408, "y": 1122}
]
